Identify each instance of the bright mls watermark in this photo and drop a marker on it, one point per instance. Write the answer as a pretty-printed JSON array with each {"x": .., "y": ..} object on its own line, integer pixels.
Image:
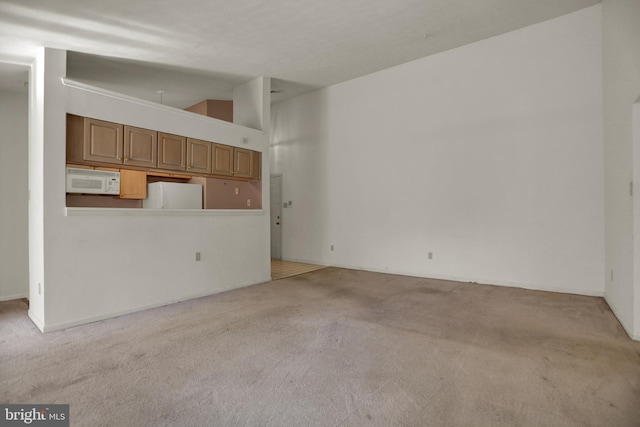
[{"x": 34, "y": 415}]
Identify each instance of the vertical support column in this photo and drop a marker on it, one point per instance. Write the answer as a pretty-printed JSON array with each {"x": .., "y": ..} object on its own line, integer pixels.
[
  {"x": 47, "y": 131},
  {"x": 633, "y": 188},
  {"x": 252, "y": 108}
]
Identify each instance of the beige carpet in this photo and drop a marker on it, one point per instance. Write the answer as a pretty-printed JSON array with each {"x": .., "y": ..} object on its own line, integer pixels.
[{"x": 336, "y": 347}]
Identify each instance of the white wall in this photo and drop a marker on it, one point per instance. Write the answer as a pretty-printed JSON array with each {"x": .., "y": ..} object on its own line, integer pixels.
[
  {"x": 101, "y": 263},
  {"x": 251, "y": 103},
  {"x": 14, "y": 256},
  {"x": 36, "y": 189},
  {"x": 621, "y": 65},
  {"x": 489, "y": 156}
]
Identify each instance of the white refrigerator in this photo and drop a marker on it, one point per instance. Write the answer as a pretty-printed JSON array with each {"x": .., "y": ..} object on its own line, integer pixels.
[{"x": 173, "y": 195}]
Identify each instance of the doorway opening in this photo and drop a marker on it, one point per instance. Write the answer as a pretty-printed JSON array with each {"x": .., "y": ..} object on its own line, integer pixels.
[
  {"x": 275, "y": 190},
  {"x": 279, "y": 268}
]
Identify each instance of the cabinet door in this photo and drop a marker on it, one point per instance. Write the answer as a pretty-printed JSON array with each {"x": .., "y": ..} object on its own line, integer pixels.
[
  {"x": 102, "y": 141},
  {"x": 222, "y": 160},
  {"x": 133, "y": 184},
  {"x": 172, "y": 151},
  {"x": 198, "y": 156},
  {"x": 140, "y": 147},
  {"x": 257, "y": 165},
  {"x": 243, "y": 163}
]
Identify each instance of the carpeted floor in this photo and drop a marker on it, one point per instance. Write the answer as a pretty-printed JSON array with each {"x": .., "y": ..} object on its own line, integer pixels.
[{"x": 336, "y": 347}]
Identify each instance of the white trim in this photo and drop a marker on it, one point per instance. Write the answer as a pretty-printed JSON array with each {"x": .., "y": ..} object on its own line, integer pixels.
[
  {"x": 460, "y": 279},
  {"x": 635, "y": 203},
  {"x": 13, "y": 297},
  {"x": 616, "y": 313},
  {"x": 39, "y": 323},
  {"x": 26, "y": 63},
  {"x": 65, "y": 325},
  {"x": 161, "y": 212}
]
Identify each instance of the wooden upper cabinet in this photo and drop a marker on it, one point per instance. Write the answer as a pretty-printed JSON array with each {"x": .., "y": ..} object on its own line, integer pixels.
[
  {"x": 257, "y": 165},
  {"x": 102, "y": 141},
  {"x": 236, "y": 162},
  {"x": 140, "y": 147},
  {"x": 199, "y": 156},
  {"x": 93, "y": 140},
  {"x": 243, "y": 163},
  {"x": 222, "y": 160},
  {"x": 99, "y": 144},
  {"x": 172, "y": 151}
]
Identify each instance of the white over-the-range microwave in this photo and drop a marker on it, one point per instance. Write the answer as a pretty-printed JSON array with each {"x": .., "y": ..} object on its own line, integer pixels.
[{"x": 90, "y": 181}]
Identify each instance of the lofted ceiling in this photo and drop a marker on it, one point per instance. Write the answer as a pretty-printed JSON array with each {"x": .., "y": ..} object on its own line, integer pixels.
[{"x": 187, "y": 51}]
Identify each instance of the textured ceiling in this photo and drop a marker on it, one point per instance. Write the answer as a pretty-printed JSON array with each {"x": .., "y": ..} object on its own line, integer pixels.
[{"x": 198, "y": 49}]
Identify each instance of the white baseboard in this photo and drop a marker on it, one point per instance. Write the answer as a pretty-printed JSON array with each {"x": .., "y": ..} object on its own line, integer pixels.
[
  {"x": 533, "y": 287},
  {"x": 64, "y": 325},
  {"x": 12, "y": 297},
  {"x": 627, "y": 328},
  {"x": 35, "y": 319}
]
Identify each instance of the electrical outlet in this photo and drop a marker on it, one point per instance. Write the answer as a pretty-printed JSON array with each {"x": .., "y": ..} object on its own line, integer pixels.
[
  {"x": 331, "y": 248},
  {"x": 197, "y": 256},
  {"x": 237, "y": 191},
  {"x": 248, "y": 202},
  {"x": 430, "y": 255}
]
